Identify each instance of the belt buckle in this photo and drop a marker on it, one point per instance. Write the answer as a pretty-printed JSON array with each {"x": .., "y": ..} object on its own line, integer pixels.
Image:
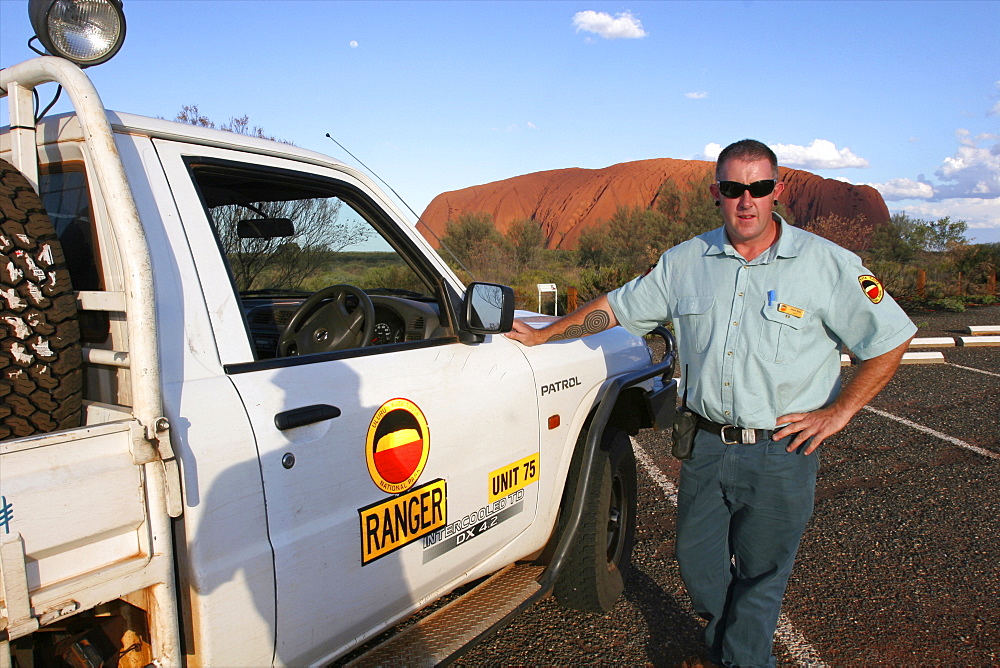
[{"x": 747, "y": 436}]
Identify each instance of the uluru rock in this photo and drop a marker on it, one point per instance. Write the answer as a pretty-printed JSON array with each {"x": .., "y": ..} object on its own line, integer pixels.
[{"x": 565, "y": 202}]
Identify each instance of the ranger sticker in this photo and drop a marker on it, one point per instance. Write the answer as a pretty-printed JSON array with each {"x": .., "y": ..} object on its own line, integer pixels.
[
  {"x": 513, "y": 477},
  {"x": 388, "y": 525},
  {"x": 397, "y": 445}
]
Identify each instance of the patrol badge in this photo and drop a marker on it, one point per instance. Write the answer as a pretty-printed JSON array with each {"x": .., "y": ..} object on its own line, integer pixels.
[{"x": 872, "y": 288}]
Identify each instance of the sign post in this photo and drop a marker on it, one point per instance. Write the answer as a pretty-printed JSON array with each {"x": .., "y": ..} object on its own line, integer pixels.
[{"x": 546, "y": 288}]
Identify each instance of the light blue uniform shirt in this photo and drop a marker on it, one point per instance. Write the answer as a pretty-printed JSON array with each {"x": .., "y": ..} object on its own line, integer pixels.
[{"x": 752, "y": 359}]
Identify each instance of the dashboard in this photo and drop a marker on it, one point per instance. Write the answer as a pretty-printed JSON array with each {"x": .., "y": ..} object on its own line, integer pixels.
[{"x": 397, "y": 320}]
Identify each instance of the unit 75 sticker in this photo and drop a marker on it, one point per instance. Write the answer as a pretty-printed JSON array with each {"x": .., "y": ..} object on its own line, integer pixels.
[{"x": 513, "y": 477}]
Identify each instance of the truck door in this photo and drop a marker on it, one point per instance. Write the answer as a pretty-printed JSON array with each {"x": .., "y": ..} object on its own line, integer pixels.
[{"x": 394, "y": 457}]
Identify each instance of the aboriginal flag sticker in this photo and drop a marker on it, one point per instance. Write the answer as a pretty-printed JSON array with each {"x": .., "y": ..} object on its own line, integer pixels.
[
  {"x": 397, "y": 445},
  {"x": 872, "y": 287}
]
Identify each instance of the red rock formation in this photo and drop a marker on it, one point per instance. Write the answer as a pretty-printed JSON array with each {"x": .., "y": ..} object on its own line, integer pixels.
[{"x": 566, "y": 202}]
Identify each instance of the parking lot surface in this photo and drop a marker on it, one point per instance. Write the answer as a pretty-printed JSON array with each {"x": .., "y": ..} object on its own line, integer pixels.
[{"x": 899, "y": 565}]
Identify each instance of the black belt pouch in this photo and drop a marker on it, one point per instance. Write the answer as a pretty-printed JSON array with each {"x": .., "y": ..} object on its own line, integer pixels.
[{"x": 682, "y": 436}]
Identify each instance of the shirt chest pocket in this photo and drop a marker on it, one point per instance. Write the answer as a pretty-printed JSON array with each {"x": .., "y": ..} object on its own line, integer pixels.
[
  {"x": 694, "y": 320},
  {"x": 782, "y": 335}
]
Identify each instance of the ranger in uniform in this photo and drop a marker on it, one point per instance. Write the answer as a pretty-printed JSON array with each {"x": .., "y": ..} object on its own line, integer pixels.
[{"x": 762, "y": 311}]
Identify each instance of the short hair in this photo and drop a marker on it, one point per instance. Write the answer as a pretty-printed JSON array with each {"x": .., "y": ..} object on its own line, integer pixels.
[{"x": 747, "y": 150}]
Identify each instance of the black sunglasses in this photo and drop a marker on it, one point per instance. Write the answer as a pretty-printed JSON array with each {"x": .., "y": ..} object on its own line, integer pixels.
[{"x": 734, "y": 189}]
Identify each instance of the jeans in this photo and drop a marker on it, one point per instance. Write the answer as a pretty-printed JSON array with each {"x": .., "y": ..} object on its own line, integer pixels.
[{"x": 741, "y": 511}]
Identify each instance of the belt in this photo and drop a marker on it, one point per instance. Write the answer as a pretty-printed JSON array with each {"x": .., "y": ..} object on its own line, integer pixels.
[{"x": 732, "y": 435}]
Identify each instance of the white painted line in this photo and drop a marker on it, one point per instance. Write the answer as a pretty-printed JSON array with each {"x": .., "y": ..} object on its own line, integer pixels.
[
  {"x": 794, "y": 642},
  {"x": 662, "y": 481},
  {"x": 969, "y": 368},
  {"x": 933, "y": 342},
  {"x": 979, "y": 340},
  {"x": 944, "y": 437},
  {"x": 797, "y": 645},
  {"x": 922, "y": 358},
  {"x": 979, "y": 330}
]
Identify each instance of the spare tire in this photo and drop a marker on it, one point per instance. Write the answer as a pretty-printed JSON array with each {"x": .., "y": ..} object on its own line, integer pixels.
[{"x": 41, "y": 362}]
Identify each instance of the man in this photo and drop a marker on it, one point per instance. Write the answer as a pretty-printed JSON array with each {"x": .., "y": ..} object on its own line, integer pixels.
[{"x": 761, "y": 311}]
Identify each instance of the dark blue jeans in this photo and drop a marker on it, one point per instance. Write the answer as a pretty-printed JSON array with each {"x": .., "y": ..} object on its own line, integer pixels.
[{"x": 741, "y": 511}]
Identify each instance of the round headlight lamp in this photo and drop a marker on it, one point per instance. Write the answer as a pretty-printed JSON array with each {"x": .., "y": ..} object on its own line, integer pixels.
[{"x": 87, "y": 32}]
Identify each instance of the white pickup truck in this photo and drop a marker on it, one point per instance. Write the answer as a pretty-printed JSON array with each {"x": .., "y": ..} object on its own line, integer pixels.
[{"x": 225, "y": 439}]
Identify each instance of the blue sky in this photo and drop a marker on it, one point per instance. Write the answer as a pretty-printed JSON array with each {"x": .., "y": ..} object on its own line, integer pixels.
[{"x": 437, "y": 96}]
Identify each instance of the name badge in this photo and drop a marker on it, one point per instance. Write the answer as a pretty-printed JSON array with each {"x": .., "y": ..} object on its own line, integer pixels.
[{"x": 791, "y": 310}]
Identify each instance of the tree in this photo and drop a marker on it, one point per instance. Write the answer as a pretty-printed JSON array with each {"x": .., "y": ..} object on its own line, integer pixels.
[
  {"x": 287, "y": 261},
  {"x": 478, "y": 245},
  {"x": 526, "y": 240},
  {"x": 699, "y": 211},
  {"x": 849, "y": 233},
  {"x": 943, "y": 234},
  {"x": 191, "y": 115},
  {"x": 903, "y": 237}
]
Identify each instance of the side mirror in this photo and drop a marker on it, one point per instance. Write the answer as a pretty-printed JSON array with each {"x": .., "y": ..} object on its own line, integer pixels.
[
  {"x": 489, "y": 308},
  {"x": 264, "y": 228}
]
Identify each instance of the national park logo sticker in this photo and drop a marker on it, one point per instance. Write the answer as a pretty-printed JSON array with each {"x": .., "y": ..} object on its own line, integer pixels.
[
  {"x": 397, "y": 445},
  {"x": 872, "y": 288}
]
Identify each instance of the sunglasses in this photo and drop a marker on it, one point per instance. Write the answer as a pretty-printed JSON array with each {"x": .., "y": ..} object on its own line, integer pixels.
[{"x": 734, "y": 189}]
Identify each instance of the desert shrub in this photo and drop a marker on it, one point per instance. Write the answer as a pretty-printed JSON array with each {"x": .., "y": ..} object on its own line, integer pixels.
[
  {"x": 526, "y": 242},
  {"x": 850, "y": 233},
  {"x": 596, "y": 281},
  {"x": 954, "y": 304},
  {"x": 478, "y": 248},
  {"x": 899, "y": 280}
]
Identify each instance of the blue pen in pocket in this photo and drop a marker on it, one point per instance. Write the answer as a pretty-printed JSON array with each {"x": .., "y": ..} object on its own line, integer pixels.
[{"x": 772, "y": 296}]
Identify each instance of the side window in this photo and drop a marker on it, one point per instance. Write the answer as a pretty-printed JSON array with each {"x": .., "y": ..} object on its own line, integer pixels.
[
  {"x": 66, "y": 196},
  {"x": 311, "y": 268}
]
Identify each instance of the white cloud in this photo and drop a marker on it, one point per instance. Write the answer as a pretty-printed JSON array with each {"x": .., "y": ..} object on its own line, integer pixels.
[
  {"x": 897, "y": 189},
  {"x": 620, "y": 26},
  {"x": 820, "y": 154},
  {"x": 974, "y": 170},
  {"x": 532, "y": 125},
  {"x": 354, "y": 44},
  {"x": 699, "y": 95},
  {"x": 711, "y": 151}
]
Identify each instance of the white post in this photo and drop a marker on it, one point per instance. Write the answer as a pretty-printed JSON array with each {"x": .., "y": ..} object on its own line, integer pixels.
[{"x": 548, "y": 287}]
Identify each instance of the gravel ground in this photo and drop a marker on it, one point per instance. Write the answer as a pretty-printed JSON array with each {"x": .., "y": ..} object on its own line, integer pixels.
[{"x": 898, "y": 566}]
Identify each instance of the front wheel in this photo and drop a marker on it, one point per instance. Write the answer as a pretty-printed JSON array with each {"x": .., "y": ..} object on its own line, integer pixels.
[{"x": 597, "y": 565}]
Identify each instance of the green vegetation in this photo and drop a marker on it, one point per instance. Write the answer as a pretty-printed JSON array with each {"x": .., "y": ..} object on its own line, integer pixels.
[{"x": 922, "y": 263}]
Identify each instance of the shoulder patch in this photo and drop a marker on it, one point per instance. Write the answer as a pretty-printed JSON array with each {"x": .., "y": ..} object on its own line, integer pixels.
[{"x": 872, "y": 288}]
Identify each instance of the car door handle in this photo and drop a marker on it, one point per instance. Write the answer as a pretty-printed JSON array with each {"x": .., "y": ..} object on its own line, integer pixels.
[{"x": 299, "y": 417}]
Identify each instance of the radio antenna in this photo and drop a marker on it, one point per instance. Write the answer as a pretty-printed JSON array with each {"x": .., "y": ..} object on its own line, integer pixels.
[{"x": 399, "y": 197}]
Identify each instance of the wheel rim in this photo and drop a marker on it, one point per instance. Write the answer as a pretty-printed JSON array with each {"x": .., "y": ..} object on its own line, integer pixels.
[{"x": 617, "y": 520}]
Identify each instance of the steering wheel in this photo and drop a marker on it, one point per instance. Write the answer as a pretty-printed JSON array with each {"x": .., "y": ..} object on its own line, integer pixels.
[{"x": 323, "y": 323}]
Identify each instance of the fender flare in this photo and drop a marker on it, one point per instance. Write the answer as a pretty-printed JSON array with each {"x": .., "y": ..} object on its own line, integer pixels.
[{"x": 660, "y": 404}]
